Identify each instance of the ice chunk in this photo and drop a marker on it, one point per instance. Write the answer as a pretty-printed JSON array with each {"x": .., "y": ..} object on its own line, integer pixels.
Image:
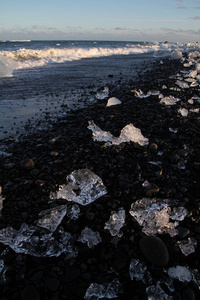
[
  {"x": 138, "y": 271},
  {"x": 83, "y": 187},
  {"x": 128, "y": 133},
  {"x": 155, "y": 215},
  {"x": 106, "y": 290},
  {"x": 73, "y": 213},
  {"x": 180, "y": 273},
  {"x": 176, "y": 54},
  {"x": 113, "y": 101},
  {"x": 194, "y": 84},
  {"x": 30, "y": 240},
  {"x": 174, "y": 130},
  {"x": 115, "y": 223},
  {"x": 171, "y": 100},
  {"x": 187, "y": 246},
  {"x": 154, "y": 93},
  {"x": 195, "y": 110},
  {"x": 155, "y": 292},
  {"x": 1, "y": 200},
  {"x": 51, "y": 218},
  {"x": 183, "y": 112},
  {"x": 90, "y": 237},
  {"x": 140, "y": 94},
  {"x": 3, "y": 270},
  {"x": 182, "y": 84},
  {"x": 103, "y": 94}
]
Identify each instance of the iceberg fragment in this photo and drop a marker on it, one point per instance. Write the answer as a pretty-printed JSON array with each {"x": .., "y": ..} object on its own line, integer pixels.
[
  {"x": 140, "y": 94},
  {"x": 187, "y": 246},
  {"x": 113, "y": 101},
  {"x": 180, "y": 273},
  {"x": 171, "y": 100},
  {"x": 103, "y": 94},
  {"x": 183, "y": 111},
  {"x": 155, "y": 292},
  {"x": 154, "y": 93},
  {"x": 51, "y": 218},
  {"x": 138, "y": 271},
  {"x": 30, "y": 240},
  {"x": 182, "y": 84},
  {"x": 1, "y": 201},
  {"x": 90, "y": 237},
  {"x": 115, "y": 223},
  {"x": 155, "y": 215},
  {"x": 73, "y": 213},
  {"x": 107, "y": 290},
  {"x": 3, "y": 270},
  {"x": 83, "y": 187},
  {"x": 128, "y": 134}
]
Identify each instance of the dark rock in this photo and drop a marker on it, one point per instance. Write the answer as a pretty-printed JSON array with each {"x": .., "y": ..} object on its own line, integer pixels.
[
  {"x": 188, "y": 294},
  {"x": 151, "y": 189},
  {"x": 70, "y": 275},
  {"x": 182, "y": 232},
  {"x": 52, "y": 284},
  {"x": 27, "y": 164},
  {"x": 154, "y": 250},
  {"x": 30, "y": 293}
]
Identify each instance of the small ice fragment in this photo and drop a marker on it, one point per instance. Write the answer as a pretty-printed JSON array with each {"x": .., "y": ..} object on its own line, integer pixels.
[
  {"x": 83, "y": 187},
  {"x": 113, "y": 101},
  {"x": 29, "y": 240},
  {"x": 171, "y": 100},
  {"x": 155, "y": 292},
  {"x": 146, "y": 184},
  {"x": 176, "y": 54},
  {"x": 107, "y": 290},
  {"x": 155, "y": 216},
  {"x": 128, "y": 134},
  {"x": 191, "y": 101},
  {"x": 182, "y": 84},
  {"x": 140, "y": 94},
  {"x": 195, "y": 110},
  {"x": 1, "y": 200},
  {"x": 154, "y": 93},
  {"x": 194, "y": 84},
  {"x": 73, "y": 213},
  {"x": 3, "y": 270},
  {"x": 183, "y": 111},
  {"x": 174, "y": 130},
  {"x": 187, "y": 65},
  {"x": 90, "y": 237},
  {"x": 164, "y": 87},
  {"x": 51, "y": 218},
  {"x": 193, "y": 74},
  {"x": 180, "y": 273},
  {"x": 138, "y": 271},
  {"x": 187, "y": 246},
  {"x": 115, "y": 223},
  {"x": 103, "y": 94}
]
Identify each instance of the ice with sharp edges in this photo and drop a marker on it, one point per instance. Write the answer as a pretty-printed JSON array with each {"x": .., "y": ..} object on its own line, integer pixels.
[
  {"x": 107, "y": 290},
  {"x": 113, "y": 101},
  {"x": 140, "y": 94},
  {"x": 128, "y": 134},
  {"x": 90, "y": 237},
  {"x": 83, "y": 187},
  {"x": 51, "y": 218},
  {"x": 183, "y": 111},
  {"x": 30, "y": 240},
  {"x": 103, "y": 94},
  {"x": 138, "y": 271},
  {"x": 155, "y": 215},
  {"x": 181, "y": 273},
  {"x": 115, "y": 223},
  {"x": 182, "y": 84},
  {"x": 1, "y": 200},
  {"x": 171, "y": 100},
  {"x": 187, "y": 246},
  {"x": 155, "y": 292},
  {"x": 73, "y": 213}
]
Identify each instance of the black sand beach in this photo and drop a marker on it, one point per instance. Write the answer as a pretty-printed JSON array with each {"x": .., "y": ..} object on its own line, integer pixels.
[{"x": 170, "y": 163}]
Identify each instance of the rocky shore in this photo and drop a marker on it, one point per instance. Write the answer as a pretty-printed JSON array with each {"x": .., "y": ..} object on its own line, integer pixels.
[{"x": 130, "y": 265}]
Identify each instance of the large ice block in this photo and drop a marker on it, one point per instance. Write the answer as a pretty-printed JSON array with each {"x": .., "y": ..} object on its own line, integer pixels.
[{"x": 83, "y": 187}]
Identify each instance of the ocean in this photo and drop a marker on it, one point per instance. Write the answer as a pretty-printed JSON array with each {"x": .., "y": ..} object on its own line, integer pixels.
[{"x": 40, "y": 79}]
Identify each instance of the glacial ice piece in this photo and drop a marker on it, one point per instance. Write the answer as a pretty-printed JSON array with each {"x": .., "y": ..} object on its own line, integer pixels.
[
  {"x": 174, "y": 130},
  {"x": 73, "y": 213},
  {"x": 171, "y": 100},
  {"x": 3, "y": 270},
  {"x": 154, "y": 93},
  {"x": 128, "y": 134},
  {"x": 1, "y": 201},
  {"x": 183, "y": 112},
  {"x": 30, "y": 240},
  {"x": 90, "y": 237},
  {"x": 187, "y": 246},
  {"x": 51, "y": 218},
  {"x": 195, "y": 110},
  {"x": 115, "y": 223},
  {"x": 107, "y": 290},
  {"x": 140, "y": 94},
  {"x": 103, "y": 94},
  {"x": 176, "y": 54},
  {"x": 138, "y": 271},
  {"x": 83, "y": 187},
  {"x": 113, "y": 101},
  {"x": 180, "y": 273},
  {"x": 155, "y": 214},
  {"x": 182, "y": 84},
  {"x": 155, "y": 292}
]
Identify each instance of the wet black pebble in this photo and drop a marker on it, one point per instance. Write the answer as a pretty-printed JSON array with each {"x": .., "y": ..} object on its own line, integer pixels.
[{"x": 30, "y": 293}]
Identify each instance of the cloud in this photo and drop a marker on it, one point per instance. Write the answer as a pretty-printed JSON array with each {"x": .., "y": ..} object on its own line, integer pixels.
[{"x": 195, "y": 18}]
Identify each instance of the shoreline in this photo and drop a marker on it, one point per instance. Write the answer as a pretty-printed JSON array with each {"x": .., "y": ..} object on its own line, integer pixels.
[{"x": 170, "y": 163}]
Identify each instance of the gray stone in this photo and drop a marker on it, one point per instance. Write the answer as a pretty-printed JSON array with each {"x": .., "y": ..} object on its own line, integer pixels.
[{"x": 154, "y": 250}]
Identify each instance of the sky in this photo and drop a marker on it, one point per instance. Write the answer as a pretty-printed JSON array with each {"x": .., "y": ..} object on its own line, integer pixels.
[{"x": 118, "y": 20}]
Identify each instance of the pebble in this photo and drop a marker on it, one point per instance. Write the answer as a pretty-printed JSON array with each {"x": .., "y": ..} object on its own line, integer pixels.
[
  {"x": 30, "y": 293},
  {"x": 154, "y": 250},
  {"x": 27, "y": 164},
  {"x": 182, "y": 232},
  {"x": 52, "y": 283},
  {"x": 151, "y": 189}
]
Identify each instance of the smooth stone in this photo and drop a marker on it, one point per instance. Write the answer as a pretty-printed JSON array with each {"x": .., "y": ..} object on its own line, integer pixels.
[
  {"x": 71, "y": 275},
  {"x": 30, "y": 293},
  {"x": 182, "y": 232},
  {"x": 40, "y": 183},
  {"x": 52, "y": 283},
  {"x": 188, "y": 294},
  {"x": 27, "y": 164},
  {"x": 155, "y": 251},
  {"x": 151, "y": 189}
]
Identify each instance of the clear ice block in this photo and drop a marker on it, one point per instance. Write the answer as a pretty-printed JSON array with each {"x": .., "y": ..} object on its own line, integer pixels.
[
  {"x": 115, "y": 223},
  {"x": 73, "y": 213},
  {"x": 103, "y": 94},
  {"x": 138, "y": 271},
  {"x": 187, "y": 246},
  {"x": 51, "y": 218},
  {"x": 83, "y": 187},
  {"x": 181, "y": 273},
  {"x": 90, "y": 237},
  {"x": 170, "y": 100},
  {"x": 107, "y": 290},
  {"x": 113, "y": 101}
]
